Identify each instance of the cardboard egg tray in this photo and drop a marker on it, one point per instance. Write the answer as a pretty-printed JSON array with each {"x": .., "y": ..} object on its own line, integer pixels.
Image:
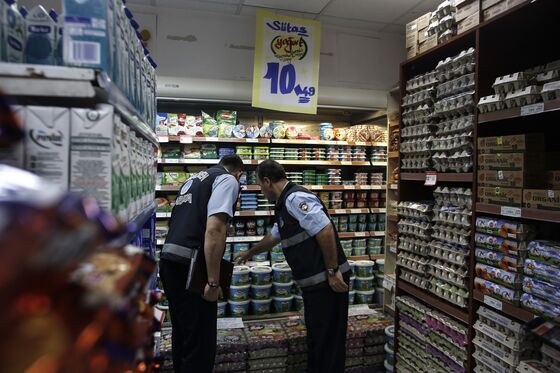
[
  {"x": 412, "y": 262},
  {"x": 453, "y": 215},
  {"x": 551, "y": 91},
  {"x": 421, "y": 82},
  {"x": 450, "y": 143},
  {"x": 415, "y": 210},
  {"x": 453, "y": 236},
  {"x": 425, "y": 96},
  {"x": 456, "y": 86},
  {"x": 421, "y": 130},
  {"x": 447, "y": 359},
  {"x": 505, "y": 355},
  {"x": 491, "y": 362},
  {"x": 550, "y": 356},
  {"x": 419, "y": 281},
  {"x": 548, "y": 76},
  {"x": 510, "y": 83},
  {"x": 414, "y": 228},
  {"x": 488, "y": 104},
  {"x": 455, "y": 125},
  {"x": 452, "y": 67},
  {"x": 458, "y": 105},
  {"x": 417, "y": 146},
  {"x": 417, "y": 163},
  {"x": 521, "y": 97},
  {"x": 535, "y": 366},
  {"x": 452, "y": 273},
  {"x": 418, "y": 115},
  {"x": 448, "y": 253},
  {"x": 448, "y": 346},
  {"x": 414, "y": 245},
  {"x": 450, "y": 293}
]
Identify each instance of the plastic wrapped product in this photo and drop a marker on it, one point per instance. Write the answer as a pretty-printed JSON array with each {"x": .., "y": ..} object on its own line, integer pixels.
[
  {"x": 540, "y": 306},
  {"x": 209, "y": 126},
  {"x": 543, "y": 271},
  {"x": 545, "y": 251}
]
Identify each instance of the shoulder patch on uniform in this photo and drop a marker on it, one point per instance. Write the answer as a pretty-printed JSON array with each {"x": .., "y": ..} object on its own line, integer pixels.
[{"x": 303, "y": 207}]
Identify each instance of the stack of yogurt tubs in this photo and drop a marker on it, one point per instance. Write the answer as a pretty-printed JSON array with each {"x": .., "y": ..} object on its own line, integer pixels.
[
  {"x": 415, "y": 231},
  {"x": 277, "y": 255},
  {"x": 374, "y": 246},
  {"x": 418, "y": 122},
  {"x": 291, "y": 154},
  {"x": 309, "y": 177},
  {"x": 390, "y": 349},
  {"x": 276, "y": 154},
  {"x": 231, "y": 351},
  {"x": 501, "y": 343},
  {"x": 261, "y": 152},
  {"x": 361, "y": 178},
  {"x": 378, "y": 154},
  {"x": 334, "y": 176},
  {"x": 226, "y": 151},
  {"x": 295, "y": 177},
  {"x": 450, "y": 247},
  {"x": 362, "y": 283},
  {"x": 244, "y": 152},
  {"x": 263, "y": 203}
]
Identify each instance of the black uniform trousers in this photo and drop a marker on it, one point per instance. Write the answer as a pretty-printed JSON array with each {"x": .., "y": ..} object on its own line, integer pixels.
[
  {"x": 326, "y": 321},
  {"x": 193, "y": 320}
]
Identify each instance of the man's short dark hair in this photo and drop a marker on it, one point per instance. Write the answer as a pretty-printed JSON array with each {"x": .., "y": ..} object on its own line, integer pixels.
[
  {"x": 232, "y": 162},
  {"x": 272, "y": 170}
]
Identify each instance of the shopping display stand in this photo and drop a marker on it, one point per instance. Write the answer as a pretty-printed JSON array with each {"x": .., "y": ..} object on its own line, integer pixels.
[{"x": 518, "y": 39}]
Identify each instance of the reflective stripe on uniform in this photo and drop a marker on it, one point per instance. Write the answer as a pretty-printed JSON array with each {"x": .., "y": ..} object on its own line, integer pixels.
[
  {"x": 321, "y": 277},
  {"x": 178, "y": 250},
  {"x": 294, "y": 240}
]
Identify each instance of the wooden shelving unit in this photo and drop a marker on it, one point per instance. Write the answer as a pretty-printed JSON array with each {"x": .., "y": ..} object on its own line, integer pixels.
[
  {"x": 443, "y": 177},
  {"x": 509, "y": 309},
  {"x": 519, "y": 212}
]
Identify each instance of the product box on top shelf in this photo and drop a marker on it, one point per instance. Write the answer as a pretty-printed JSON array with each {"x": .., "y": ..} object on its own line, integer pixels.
[
  {"x": 466, "y": 8},
  {"x": 500, "y": 196},
  {"x": 423, "y": 22},
  {"x": 494, "y": 10},
  {"x": 513, "y": 3},
  {"x": 411, "y": 40},
  {"x": 512, "y": 179},
  {"x": 515, "y": 143},
  {"x": 429, "y": 43},
  {"x": 422, "y": 36},
  {"x": 12, "y": 28},
  {"x": 411, "y": 27},
  {"x": 468, "y": 23},
  {"x": 541, "y": 199},
  {"x": 553, "y": 179},
  {"x": 412, "y": 52},
  {"x": 520, "y": 161},
  {"x": 41, "y": 37},
  {"x": 485, "y": 4}
]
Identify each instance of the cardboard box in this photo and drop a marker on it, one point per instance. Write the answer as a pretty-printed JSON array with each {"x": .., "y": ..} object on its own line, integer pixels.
[
  {"x": 514, "y": 3},
  {"x": 495, "y": 10},
  {"x": 91, "y": 152},
  {"x": 468, "y": 23},
  {"x": 466, "y": 9},
  {"x": 429, "y": 43},
  {"x": 541, "y": 199},
  {"x": 553, "y": 179},
  {"x": 422, "y": 36},
  {"x": 423, "y": 21},
  {"x": 411, "y": 27},
  {"x": 485, "y": 4},
  {"x": 411, "y": 39},
  {"x": 47, "y": 143},
  {"x": 411, "y": 52},
  {"x": 510, "y": 179},
  {"x": 500, "y": 196},
  {"x": 511, "y": 161},
  {"x": 508, "y": 144}
]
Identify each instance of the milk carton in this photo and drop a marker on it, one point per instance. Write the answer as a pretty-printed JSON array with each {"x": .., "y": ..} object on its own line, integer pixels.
[
  {"x": 14, "y": 155},
  {"x": 91, "y": 153},
  {"x": 13, "y": 32},
  {"x": 86, "y": 37},
  {"x": 116, "y": 183},
  {"x": 58, "y": 40},
  {"x": 125, "y": 173},
  {"x": 47, "y": 143},
  {"x": 41, "y": 35}
]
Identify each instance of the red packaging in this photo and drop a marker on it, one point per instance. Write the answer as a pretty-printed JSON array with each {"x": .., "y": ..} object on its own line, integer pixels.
[{"x": 349, "y": 204}]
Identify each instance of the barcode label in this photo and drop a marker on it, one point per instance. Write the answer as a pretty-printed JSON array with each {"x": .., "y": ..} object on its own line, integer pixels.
[{"x": 85, "y": 52}]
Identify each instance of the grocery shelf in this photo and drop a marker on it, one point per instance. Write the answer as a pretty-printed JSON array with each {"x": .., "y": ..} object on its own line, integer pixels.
[
  {"x": 353, "y": 234},
  {"x": 450, "y": 177},
  {"x": 175, "y": 188},
  {"x": 272, "y": 316},
  {"x": 188, "y": 140},
  {"x": 163, "y": 215},
  {"x": 365, "y": 257},
  {"x": 526, "y": 213},
  {"x": 136, "y": 224},
  {"x": 349, "y": 211},
  {"x": 244, "y": 239},
  {"x": 535, "y": 109},
  {"x": 508, "y": 309},
  {"x": 201, "y": 161},
  {"x": 434, "y": 301},
  {"x": 324, "y": 163},
  {"x": 254, "y": 213},
  {"x": 379, "y": 164},
  {"x": 167, "y": 215},
  {"x": 256, "y": 162},
  {"x": 377, "y": 234}
]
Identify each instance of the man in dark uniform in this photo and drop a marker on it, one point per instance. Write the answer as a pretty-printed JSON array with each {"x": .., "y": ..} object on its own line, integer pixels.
[
  {"x": 198, "y": 222},
  {"x": 319, "y": 266}
]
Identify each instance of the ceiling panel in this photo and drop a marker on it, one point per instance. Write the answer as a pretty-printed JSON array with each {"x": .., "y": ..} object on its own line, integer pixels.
[
  {"x": 351, "y": 23},
  {"x": 209, "y": 6},
  {"x": 307, "y": 6},
  {"x": 252, "y": 11},
  {"x": 370, "y": 10},
  {"x": 422, "y": 8}
]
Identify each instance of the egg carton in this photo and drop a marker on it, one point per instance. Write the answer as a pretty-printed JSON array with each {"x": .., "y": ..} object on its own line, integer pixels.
[
  {"x": 418, "y": 115},
  {"x": 510, "y": 83},
  {"x": 550, "y": 356},
  {"x": 416, "y": 210},
  {"x": 535, "y": 366},
  {"x": 446, "y": 30},
  {"x": 527, "y": 96},
  {"x": 409, "y": 303},
  {"x": 450, "y": 237},
  {"x": 453, "y": 215},
  {"x": 420, "y": 130},
  {"x": 511, "y": 358},
  {"x": 425, "y": 96},
  {"x": 449, "y": 253},
  {"x": 513, "y": 342},
  {"x": 501, "y": 323},
  {"x": 449, "y": 292},
  {"x": 455, "y": 346},
  {"x": 461, "y": 197},
  {"x": 452, "y": 126},
  {"x": 412, "y": 263},
  {"x": 540, "y": 306},
  {"x": 504, "y": 228},
  {"x": 551, "y": 91},
  {"x": 488, "y": 104},
  {"x": 454, "y": 106},
  {"x": 419, "y": 281},
  {"x": 452, "y": 273},
  {"x": 418, "y": 328},
  {"x": 497, "y": 291},
  {"x": 542, "y": 271},
  {"x": 446, "y": 359},
  {"x": 421, "y": 82},
  {"x": 414, "y": 227},
  {"x": 458, "y": 141},
  {"x": 458, "y": 162},
  {"x": 508, "y": 279},
  {"x": 481, "y": 368},
  {"x": 411, "y": 346},
  {"x": 451, "y": 229},
  {"x": 445, "y": 9},
  {"x": 416, "y": 162},
  {"x": 417, "y": 146},
  {"x": 448, "y": 327},
  {"x": 500, "y": 244},
  {"x": 493, "y": 258},
  {"x": 491, "y": 362},
  {"x": 548, "y": 76},
  {"x": 407, "y": 244}
]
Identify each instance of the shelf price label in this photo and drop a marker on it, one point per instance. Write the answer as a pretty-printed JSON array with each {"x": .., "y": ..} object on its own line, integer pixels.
[
  {"x": 431, "y": 178},
  {"x": 532, "y": 109},
  {"x": 514, "y": 212},
  {"x": 163, "y": 138},
  {"x": 492, "y": 302},
  {"x": 286, "y": 64},
  {"x": 185, "y": 139}
]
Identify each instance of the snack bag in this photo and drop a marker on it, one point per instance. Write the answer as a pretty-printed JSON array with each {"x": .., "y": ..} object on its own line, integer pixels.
[
  {"x": 227, "y": 116},
  {"x": 209, "y": 126}
]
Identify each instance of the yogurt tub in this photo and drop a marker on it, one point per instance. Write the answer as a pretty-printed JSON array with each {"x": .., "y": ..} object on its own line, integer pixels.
[
  {"x": 388, "y": 367},
  {"x": 379, "y": 278},
  {"x": 380, "y": 266},
  {"x": 374, "y": 250},
  {"x": 282, "y": 290},
  {"x": 352, "y": 282},
  {"x": 364, "y": 297},
  {"x": 364, "y": 283},
  {"x": 261, "y": 275},
  {"x": 390, "y": 334},
  {"x": 298, "y": 302},
  {"x": 352, "y": 265},
  {"x": 261, "y": 307},
  {"x": 240, "y": 247},
  {"x": 239, "y": 293},
  {"x": 240, "y": 276},
  {"x": 364, "y": 268},
  {"x": 222, "y": 309},
  {"x": 277, "y": 257},
  {"x": 283, "y": 304},
  {"x": 282, "y": 273},
  {"x": 348, "y": 252},
  {"x": 239, "y": 308},
  {"x": 261, "y": 292},
  {"x": 360, "y": 251},
  {"x": 351, "y": 296},
  {"x": 379, "y": 295},
  {"x": 262, "y": 257}
]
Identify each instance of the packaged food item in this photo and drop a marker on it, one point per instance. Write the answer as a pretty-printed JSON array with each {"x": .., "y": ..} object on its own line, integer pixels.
[
  {"x": 513, "y": 143},
  {"x": 497, "y": 291},
  {"x": 504, "y": 261},
  {"x": 541, "y": 199},
  {"x": 504, "y": 228},
  {"x": 501, "y": 196},
  {"x": 540, "y": 307},
  {"x": 543, "y": 271},
  {"x": 500, "y": 244},
  {"x": 209, "y": 126},
  {"x": 545, "y": 251},
  {"x": 542, "y": 289},
  {"x": 500, "y": 276},
  {"x": 227, "y": 116}
]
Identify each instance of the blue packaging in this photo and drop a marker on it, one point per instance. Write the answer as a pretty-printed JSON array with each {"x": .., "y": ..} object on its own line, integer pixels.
[
  {"x": 58, "y": 40},
  {"x": 86, "y": 37},
  {"x": 13, "y": 32},
  {"x": 40, "y": 40}
]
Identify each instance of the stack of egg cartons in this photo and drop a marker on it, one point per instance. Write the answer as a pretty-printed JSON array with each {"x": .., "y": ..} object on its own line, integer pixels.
[
  {"x": 452, "y": 146},
  {"x": 450, "y": 248},
  {"x": 415, "y": 232},
  {"x": 163, "y": 349},
  {"x": 443, "y": 23},
  {"x": 297, "y": 345},
  {"x": 267, "y": 347},
  {"x": 501, "y": 343},
  {"x": 542, "y": 279},
  {"x": 411, "y": 337},
  {"x": 418, "y": 123},
  {"x": 501, "y": 247},
  {"x": 374, "y": 342},
  {"x": 231, "y": 351},
  {"x": 355, "y": 340}
]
